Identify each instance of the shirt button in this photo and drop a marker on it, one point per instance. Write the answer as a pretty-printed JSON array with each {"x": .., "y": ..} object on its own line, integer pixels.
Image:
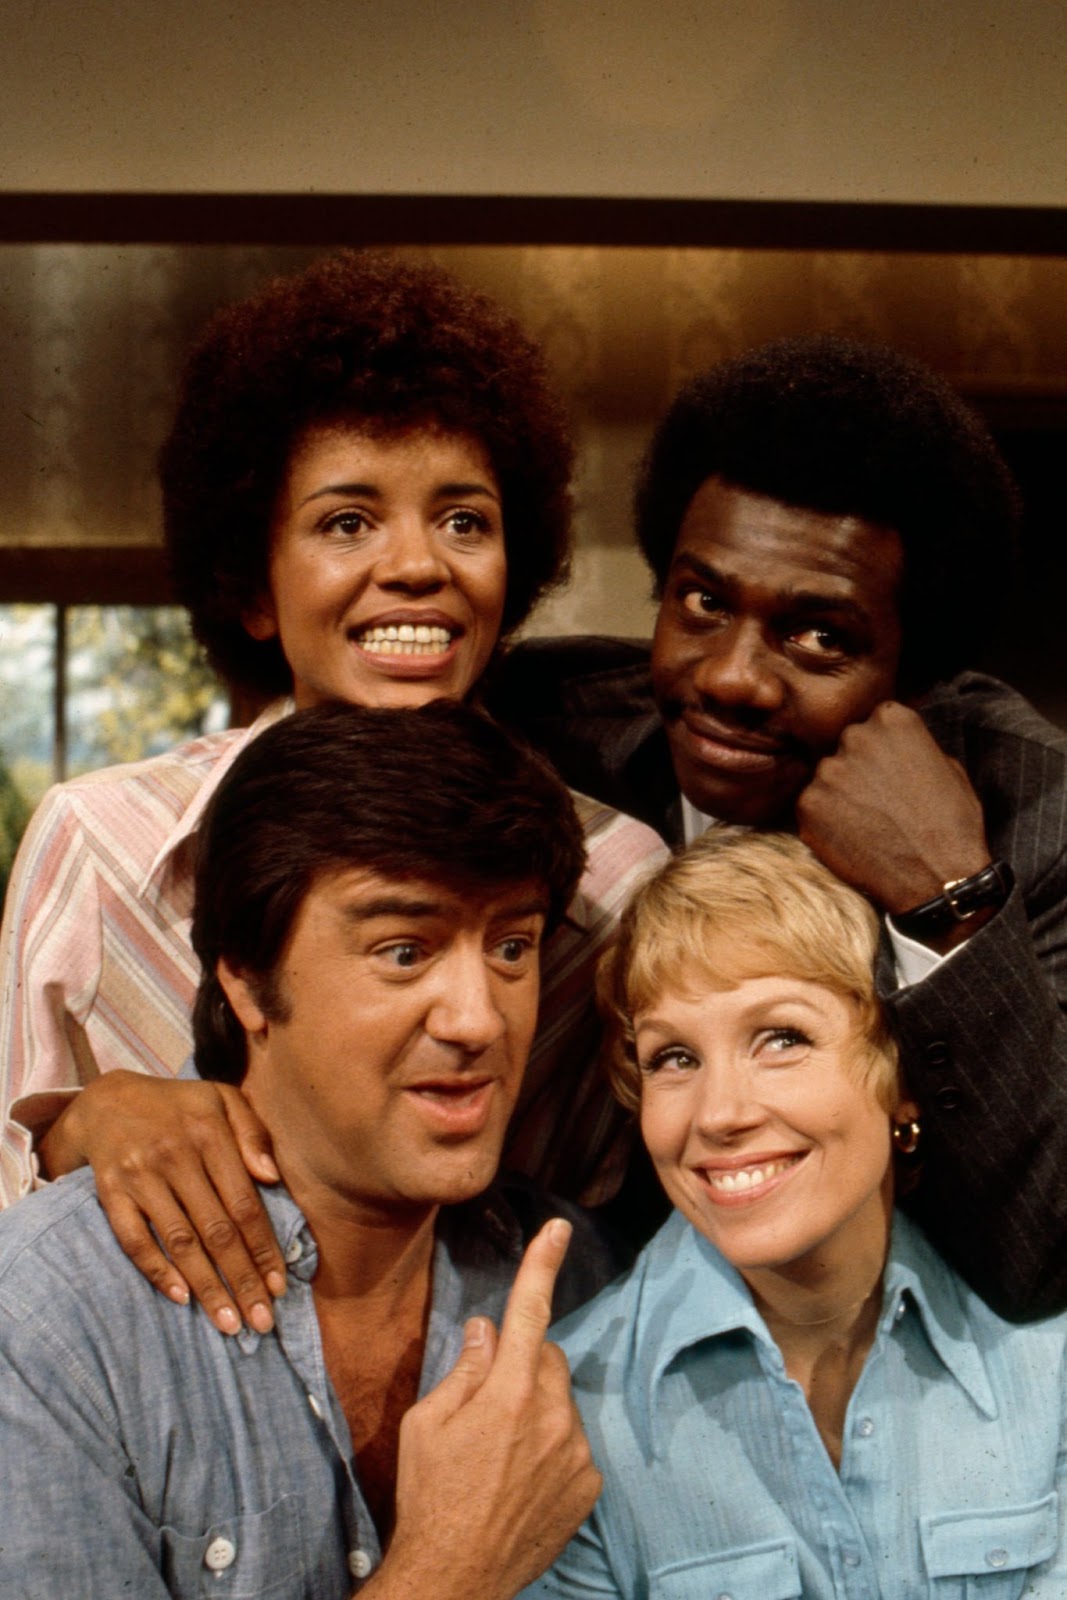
[
  {"x": 294, "y": 1251},
  {"x": 314, "y": 1404},
  {"x": 359, "y": 1563},
  {"x": 866, "y": 1427},
  {"x": 220, "y": 1554},
  {"x": 997, "y": 1558},
  {"x": 852, "y": 1558}
]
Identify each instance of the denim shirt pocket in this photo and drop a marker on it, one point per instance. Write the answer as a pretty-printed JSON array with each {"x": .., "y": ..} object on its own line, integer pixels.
[
  {"x": 766, "y": 1571},
  {"x": 983, "y": 1555},
  {"x": 251, "y": 1557}
]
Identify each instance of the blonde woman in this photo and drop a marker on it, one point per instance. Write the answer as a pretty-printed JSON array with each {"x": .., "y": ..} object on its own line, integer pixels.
[{"x": 792, "y": 1394}]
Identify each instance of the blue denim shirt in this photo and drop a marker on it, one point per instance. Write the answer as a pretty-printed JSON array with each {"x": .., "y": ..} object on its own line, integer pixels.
[
  {"x": 717, "y": 1484},
  {"x": 142, "y": 1454}
]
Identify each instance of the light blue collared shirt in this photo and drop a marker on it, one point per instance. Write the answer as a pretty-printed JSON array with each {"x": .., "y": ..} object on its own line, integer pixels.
[
  {"x": 953, "y": 1474},
  {"x": 144, "y": 1455}
]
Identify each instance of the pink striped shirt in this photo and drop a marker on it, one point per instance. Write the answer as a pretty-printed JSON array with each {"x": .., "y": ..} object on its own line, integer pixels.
[{"x": 97, "y": 970}]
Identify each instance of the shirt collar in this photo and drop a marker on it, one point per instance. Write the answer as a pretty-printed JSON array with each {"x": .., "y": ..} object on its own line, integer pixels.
[
  {"x": 693, "y": 1294},
  {"x": 477, "y": 1249},
  {"x": 694, "y": 822},
  {"x": 477, "y": 1235},
  {"x": 189, "y": 820},
  {"x": 917, "y": 1275}
]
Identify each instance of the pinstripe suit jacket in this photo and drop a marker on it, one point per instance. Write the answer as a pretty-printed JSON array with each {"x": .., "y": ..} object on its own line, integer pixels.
[{"x": 984, "y": 1038}]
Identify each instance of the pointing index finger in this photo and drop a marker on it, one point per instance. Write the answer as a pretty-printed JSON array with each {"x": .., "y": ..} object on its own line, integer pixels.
[{"x": 529, "y": 1308}]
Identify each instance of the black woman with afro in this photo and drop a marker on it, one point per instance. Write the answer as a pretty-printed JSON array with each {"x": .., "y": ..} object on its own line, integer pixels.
[{"x": 365, "y": 491}]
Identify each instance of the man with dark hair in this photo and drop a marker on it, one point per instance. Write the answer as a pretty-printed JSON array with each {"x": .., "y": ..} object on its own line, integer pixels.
[
  {"x": 830, "y": 530},
  {"x": 372, "y": 887}
]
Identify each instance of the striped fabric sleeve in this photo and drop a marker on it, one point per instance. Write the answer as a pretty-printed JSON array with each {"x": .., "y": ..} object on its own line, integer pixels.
[{"x": 49, "y": 963}]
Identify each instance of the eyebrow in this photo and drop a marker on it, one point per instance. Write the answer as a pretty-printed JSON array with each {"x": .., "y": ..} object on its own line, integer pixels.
[
  {"x": 524, "y": 908},
  {"x": 395, "y": 905},
  {"x": 371, "y": 491},
  {"x": 795, "y": 600},
  {"x": 654, "y": 1023},
  {"x": 391, "y": 905}
]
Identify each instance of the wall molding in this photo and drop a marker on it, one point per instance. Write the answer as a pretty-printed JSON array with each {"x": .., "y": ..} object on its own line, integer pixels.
[{"x": 334, "y": 219}]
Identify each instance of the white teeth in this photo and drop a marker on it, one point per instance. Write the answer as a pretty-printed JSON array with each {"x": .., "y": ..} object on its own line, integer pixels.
[
  {"x": 405, "y": 639},
  {"x": 747, "y": 1177}
]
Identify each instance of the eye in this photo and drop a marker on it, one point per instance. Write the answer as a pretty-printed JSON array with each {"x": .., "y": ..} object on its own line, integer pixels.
[
  {"x": 515, "y": 952},
  {"x": 784, "y": 1041},
  {"x": 349, "y": 523},
  {"x": 466, "y": 523},
  {"x": 404, "y": 953},
  {"x": 672, "y": 1058},
  {"x": 700, "y": 603},
  {"x": 823, "y": 642}
]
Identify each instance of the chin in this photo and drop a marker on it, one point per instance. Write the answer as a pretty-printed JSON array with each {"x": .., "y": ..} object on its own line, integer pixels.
[{"x": 467, "y": 1182}]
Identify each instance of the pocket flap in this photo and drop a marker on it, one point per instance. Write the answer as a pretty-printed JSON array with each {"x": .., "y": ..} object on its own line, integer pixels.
[
  {"x": 958, "y": 1543},
  {"x": 766, "y": 1571}
]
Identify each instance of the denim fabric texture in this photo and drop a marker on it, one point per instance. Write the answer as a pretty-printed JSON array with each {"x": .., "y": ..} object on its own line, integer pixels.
[{"x": 142, "y": 1454}]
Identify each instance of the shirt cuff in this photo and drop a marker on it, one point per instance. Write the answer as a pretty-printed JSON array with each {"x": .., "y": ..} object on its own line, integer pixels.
[
  {"x": 35, "y": 1113},
  {"x": 913, "y": 961}
]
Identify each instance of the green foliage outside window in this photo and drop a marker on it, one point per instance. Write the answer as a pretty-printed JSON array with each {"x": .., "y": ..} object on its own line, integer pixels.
[
  {"x": 136, "y": 684},
  {"x": 14, "y": 815},
  {"x": 146, "y": 678}
]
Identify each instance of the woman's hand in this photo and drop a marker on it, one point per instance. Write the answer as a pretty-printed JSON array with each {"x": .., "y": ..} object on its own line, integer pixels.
[{"x": 176, "y": 1157}]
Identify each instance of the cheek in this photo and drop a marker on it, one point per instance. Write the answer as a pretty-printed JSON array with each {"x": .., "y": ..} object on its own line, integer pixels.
[
  {"x": 672, "y": 651},
  {"x": 829, "y": 706},
  {"x": 665, "y": 1121},
  {"x": 522, "y": 1023},
  {"x": 488, "y": 588}
]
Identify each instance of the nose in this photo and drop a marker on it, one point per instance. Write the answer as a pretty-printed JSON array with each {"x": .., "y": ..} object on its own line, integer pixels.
[
  {"x": 411, "y": 559},
  {"x": 465, "y": 1012},
  {"x": 726, "y": 1108},
  {"x": 738, "y": 668}
]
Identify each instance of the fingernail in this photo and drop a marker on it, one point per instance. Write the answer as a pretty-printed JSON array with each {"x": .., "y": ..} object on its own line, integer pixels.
[
  {"x": 275, "y": 1282},
  {"x": 559, "y": 1230},
  {"x": 476, "y": 1332},
  {"x": 179, "y": 1294},
  {"x": 268, "y": 1171},
  {"x": 260, "y": 1317},
  {"x": 228, "y": 1320}
]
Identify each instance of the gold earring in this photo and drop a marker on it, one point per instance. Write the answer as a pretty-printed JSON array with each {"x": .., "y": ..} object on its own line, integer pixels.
[{"x": 906, "y": 1137}]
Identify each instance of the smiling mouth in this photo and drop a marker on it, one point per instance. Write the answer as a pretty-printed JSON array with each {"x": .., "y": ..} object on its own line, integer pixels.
[
  {"x": 711, "y": 744},
  {"x": 405, "y": 639},
  {"x": 738, "y": 1182}
]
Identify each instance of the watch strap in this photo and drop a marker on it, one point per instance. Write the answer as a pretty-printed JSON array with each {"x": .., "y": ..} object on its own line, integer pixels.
[{"x": 959, "y": 900}]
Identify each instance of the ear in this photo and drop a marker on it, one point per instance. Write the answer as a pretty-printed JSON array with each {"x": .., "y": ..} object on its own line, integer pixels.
[
  {"x": 243, "y": 1002},
  {"x": 905, "y": 1111},
  {"x": 260, "y": 618}
]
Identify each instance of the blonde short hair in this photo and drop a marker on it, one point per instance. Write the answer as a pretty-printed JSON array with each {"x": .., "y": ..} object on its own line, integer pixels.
[{"x": 736, "y": 905}]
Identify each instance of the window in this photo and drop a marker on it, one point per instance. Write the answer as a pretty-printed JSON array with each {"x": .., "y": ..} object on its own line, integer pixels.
[{"x": 83, "y": 686}]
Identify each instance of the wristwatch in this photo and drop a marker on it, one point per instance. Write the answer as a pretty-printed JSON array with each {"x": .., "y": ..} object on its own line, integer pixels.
[{"x": 959, "y": 899}]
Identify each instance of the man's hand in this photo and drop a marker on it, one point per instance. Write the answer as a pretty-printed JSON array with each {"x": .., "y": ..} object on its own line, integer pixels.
[
  {"x": 176, "y": 1157},
  {"x": 494, "y": 1472},
  {"x": 892, "y": 815}
]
